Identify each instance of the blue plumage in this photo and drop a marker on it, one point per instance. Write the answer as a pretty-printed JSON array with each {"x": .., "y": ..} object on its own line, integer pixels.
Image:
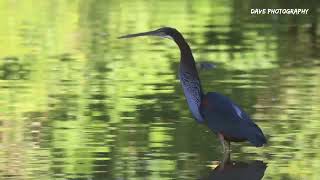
[
  {"x": 218, "y": 112},
  {"x": 225, "y": 117}
]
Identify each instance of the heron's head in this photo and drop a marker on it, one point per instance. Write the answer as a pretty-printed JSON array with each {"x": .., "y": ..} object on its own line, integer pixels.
[{"x": 164, "y": 32}]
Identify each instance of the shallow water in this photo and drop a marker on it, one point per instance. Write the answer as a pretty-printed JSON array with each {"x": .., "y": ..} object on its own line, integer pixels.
[{"x": 78, "y": 103}]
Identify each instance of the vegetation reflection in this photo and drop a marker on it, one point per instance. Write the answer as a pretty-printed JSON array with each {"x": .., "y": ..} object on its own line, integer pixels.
[{"x": 77, "y": 103}]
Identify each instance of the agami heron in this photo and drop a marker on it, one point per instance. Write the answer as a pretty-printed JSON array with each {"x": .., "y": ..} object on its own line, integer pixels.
[{"x": 218, "y": 112}]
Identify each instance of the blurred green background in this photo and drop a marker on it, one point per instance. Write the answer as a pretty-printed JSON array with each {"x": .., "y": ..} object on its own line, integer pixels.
[{"x": 78, "y": 103}]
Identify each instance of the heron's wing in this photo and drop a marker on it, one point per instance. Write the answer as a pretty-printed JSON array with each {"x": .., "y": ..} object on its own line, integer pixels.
[{"x": 224, "y": 116}]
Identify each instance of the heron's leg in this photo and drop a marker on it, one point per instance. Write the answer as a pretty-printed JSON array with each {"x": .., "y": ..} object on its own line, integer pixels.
[
  {"x": 228, "y": 145},
  {"x": 221, "y": 138},
  {"x": 226, "y": 160},
  {"x": 226, "y": 157},
  {"x": 225, "y": 143},
  {"x": 226, "y": 151}
]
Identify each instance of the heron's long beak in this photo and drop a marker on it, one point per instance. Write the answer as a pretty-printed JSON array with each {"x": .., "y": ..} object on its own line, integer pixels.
[{"x": 149, "y": 33}]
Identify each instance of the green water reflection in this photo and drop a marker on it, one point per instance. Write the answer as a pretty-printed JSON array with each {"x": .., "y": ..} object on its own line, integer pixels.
[{"x": 77, "y": 103}]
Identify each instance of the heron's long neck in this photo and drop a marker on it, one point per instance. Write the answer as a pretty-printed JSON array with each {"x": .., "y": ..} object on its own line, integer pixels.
[
  {"x": 186, "y": 54},
  {"x": 189, "y": 78},
  {"x": 187, "y": 63}
]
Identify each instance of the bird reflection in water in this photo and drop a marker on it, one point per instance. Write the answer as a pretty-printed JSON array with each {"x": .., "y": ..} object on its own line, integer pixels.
[{"x": 237, "y": 170}]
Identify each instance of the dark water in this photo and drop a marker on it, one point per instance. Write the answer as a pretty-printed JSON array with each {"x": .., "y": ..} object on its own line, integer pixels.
[{"x": 77, "y": 103}]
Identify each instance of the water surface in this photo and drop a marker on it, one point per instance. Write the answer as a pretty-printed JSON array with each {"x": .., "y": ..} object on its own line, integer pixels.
[{"x": 78, "y": 103}]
